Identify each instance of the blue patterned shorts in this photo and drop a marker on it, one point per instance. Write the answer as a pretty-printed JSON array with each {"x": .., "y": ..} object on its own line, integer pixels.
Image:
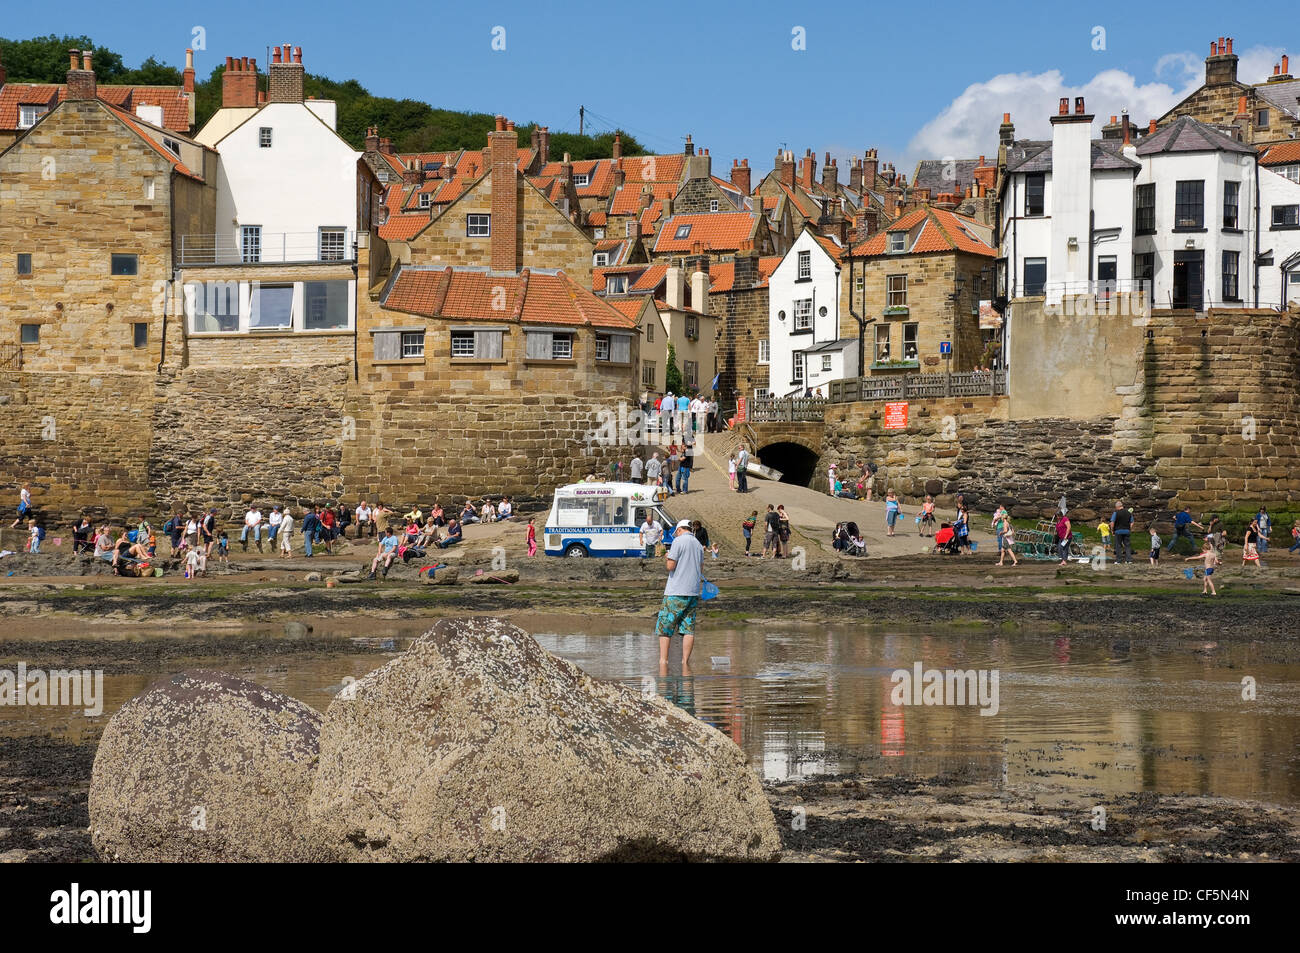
[{"x": 677, "y": 616}]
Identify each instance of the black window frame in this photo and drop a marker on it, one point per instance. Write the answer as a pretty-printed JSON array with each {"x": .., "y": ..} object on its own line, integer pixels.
[
  {"x": 113, "y": 260},
  {"x": 265, "y": 136},
  {"x": 1233, "y": 206},
  {"x": 24, "y": 329},
  {"x": 1035, "y": 184},
  {"x": 1230, "y": 278},
  {"x": 24, "y": 258},
  {"x": 1189, "y": 205},
  {"x": 1144, "y": 210},
  {"x": 140, "y": 334},
  {"x": 1037, "y": 289},
  {"x": 1294, "y": 223},
  {"x": 1144, "y": 268}
]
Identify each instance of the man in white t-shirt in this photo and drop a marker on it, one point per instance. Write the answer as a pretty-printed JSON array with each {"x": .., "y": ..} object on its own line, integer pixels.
[
  {"x": 253, "y": 524},
  {"x": 653, "y": 467},
  {"x": 667, "y": 410},
  {"x": 365, "y": 523},
  {"x": 273, "y": 521},
  {"x": 636, "y": 469},
  {"x": 685, "y": 562},
  {"x": 651, "y": 533}
]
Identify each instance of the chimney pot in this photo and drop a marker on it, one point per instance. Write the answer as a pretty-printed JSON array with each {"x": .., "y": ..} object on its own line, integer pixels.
[
  {"x": 1276, "y": 69},
  {"x": 1286, "y": 64},
  {"x": 501, "y": 123},
  {"x": 1229, "y": 45},
  {"x": 1078, "y": 105},
  {"x": 1214, "y": 48},
  {"x": 297, "y": 54},
  {"x": 75, "y": 59},
  {"x": 1151, "y": 127},
  {"x": 275, "y": 55},
  {"x": 1064, "y": 108}
]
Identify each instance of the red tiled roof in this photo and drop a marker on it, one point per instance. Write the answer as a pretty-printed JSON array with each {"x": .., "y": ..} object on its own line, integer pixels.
[
  {"x": 530, "y": 297},
  {"x": 802, "y": 201},
  {"x": 667, "y": 168},
  {"x": 145, "y": 133},
  {"x": 717, "y": 231},
  {"x": 599, "y": 172},
  {"x": 832, "y": 249},
  {"x": 596, "y": 219},
  {"x": 940, "y": 231},
  {"x": 629, "y": 307},
  {"x": 663, "y": 305},
  {"x": 175, "y": 107},
  {"x": 650, "y": 216},
  {"x": 1281, "y": 153},
  {"x": 722, "y": 275},
  {"x": 650, "y": 279},
  {"x": 645, "y": 278},
  {"x": 627, "y": 199},
  {"x": 607, "y": 244},
  {"x": 402, "y": 225}
]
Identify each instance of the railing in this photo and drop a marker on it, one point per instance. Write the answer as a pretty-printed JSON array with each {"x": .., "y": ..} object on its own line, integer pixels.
[
  {"x": 11, "y": 357},
  {"x": 330, "y": 245},
  {"x": 919, "y": 386},
  {"x": 789, "y": 409}
]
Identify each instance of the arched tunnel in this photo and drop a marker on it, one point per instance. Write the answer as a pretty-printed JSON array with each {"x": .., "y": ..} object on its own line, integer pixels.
[{"x": 795, "y": 461}]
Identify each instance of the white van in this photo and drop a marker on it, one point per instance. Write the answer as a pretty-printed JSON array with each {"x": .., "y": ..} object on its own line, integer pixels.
[{"x": 602, "y": 519}]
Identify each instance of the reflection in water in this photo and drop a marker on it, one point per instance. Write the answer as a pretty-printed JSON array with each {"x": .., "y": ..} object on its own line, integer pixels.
[{"x": 1154, "y": 713}]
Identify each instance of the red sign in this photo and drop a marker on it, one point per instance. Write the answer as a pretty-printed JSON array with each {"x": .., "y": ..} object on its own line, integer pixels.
[
  {"x": 896, "y": 415},
  {"x": 740, "y": 410}
]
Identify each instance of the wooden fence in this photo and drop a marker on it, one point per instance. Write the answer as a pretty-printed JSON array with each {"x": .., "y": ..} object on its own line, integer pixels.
[{"x": 920, "y": 386}]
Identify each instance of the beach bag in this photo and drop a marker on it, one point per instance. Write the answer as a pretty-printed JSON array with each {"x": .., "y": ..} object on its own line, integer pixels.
[
  {"x": 132, "y": 534},
  {"x": 708, "y": 591}
]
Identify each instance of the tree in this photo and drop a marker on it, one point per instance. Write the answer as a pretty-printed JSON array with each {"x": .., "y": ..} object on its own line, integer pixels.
[{"x": 672, "y": 376}]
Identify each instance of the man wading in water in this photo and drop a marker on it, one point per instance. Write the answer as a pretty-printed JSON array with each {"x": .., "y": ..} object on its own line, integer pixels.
[{"x": 681, "y": 595}]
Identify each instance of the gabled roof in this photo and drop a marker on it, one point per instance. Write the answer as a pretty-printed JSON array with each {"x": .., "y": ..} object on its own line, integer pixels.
[
  {"x": 630, "y": 308},
  {"x": 944, "y": 175},
  {"x": 175, "y": 106},
  {"x": 531, "y": 296},
  {"x": 627, "y": 199},
  {"x": 1186, "y": 134},
  {"x": 717, "y": 231},
  {"x": 642, "y": 278},
  {"x": 932, "y": 230},
  {"x": 722, "y": 275},
  {"x": 1281, "y": 153},
  {"x": 152, "y": 135},
  {"x": 599, "y": 173},
  {"x": 1036, "y": 156},
  {"x": 1283, "y": 95},
  {"x": 667, "y": 168}
]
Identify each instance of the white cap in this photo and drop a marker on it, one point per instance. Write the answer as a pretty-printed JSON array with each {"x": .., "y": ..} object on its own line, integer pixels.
[{"x": 683, "y": 524}]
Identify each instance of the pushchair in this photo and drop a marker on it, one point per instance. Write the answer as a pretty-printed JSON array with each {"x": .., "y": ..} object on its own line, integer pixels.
[
  {"x": 945, "y": 540},
  {"x": 855, "y": 545}
]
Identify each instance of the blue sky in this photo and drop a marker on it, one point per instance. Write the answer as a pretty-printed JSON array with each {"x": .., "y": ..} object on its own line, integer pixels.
[{"x": 931, "y": 80}]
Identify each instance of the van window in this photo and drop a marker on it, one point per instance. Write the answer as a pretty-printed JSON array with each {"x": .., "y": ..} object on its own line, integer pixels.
[{"x": 605, "y": 511}]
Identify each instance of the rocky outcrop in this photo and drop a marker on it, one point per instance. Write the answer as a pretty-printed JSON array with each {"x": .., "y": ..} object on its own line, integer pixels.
[
  {"x": 206, "y": 767},
  {"x": 477, "y": 744}
]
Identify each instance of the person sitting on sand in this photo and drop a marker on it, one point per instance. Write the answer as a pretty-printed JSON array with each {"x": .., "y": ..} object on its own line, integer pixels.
[
  {"x": 454, "y": 535},
  {"x": 468, "y": 514},
  {"x": 385, "y": 553}
]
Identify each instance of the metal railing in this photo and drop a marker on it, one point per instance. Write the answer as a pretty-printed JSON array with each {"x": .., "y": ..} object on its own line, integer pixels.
[
  {"x": 11, "y": 357},
  {"x": 788, "y": 409},
  {"x": 333, "y": 246},
  {"x": 919, "y": 386}
]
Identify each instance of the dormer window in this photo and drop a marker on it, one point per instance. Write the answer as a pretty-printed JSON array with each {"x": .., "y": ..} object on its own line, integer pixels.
[
  {"x": 713, "y": 205},
  {"x": 683, "y": 231},
  {"x": 897, "y": 242},
  {"x": 581, "y": 179},
  {"x": 425, "y": 200},
  {"x": 600, "y": 259},
  {"x": 173, "y": 145},
  {"x": 27, "y": 115},
  {"x": 616, "y": 285}
]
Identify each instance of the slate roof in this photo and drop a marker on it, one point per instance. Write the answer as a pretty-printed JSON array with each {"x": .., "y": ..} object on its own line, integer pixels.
[
  {"x": 932, "y": 174},
  {"x": 1186, "y": 134},
  {"x": 1030, "y": 155},
  {"x": 1283, "y": 95}
]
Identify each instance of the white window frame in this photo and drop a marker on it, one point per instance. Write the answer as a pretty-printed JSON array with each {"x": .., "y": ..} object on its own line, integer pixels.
[
  {"x": 797, "y": 368},
  {"x": 1291, "y": 171},
  {"x": 804, "y": 265},
  {"x": 895, "y": 297},
  {"x": 458, "y": 338},
  {"x": 561, "y": 347},
  {"x": 337, "y": 236},
  {"x": 827, "y": 363},
  {"x": 412, "y": 345},
  {"x": 29, "y": 114},
  {"x": 713, "y": 205},
  {"x": 600, "y": 259},
  {"x": 602, "y": 347},
  {"x": 616, "y": 284},
  {"x": 482, "y": 228},
  {"x": 581, "y": 180},
  {"x": 764, "y": 351},
  {"x": 897, "y": 242},
  {"x": 425, "y": 200},
  {"x": 802, "y": 319}
]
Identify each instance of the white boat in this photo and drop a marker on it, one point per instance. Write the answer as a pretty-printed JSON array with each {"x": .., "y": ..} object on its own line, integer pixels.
[{"x": 762, "y": 472}]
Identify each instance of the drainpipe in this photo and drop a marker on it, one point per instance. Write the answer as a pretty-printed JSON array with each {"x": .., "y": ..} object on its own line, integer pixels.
[
  {"x": 1257, "y": 229},
  {"x": 356, "y": 308}
]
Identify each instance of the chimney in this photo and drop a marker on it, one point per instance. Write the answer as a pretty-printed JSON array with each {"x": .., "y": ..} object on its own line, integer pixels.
[
  {"x": 647, "y": 196},
  {"x": 699, "y": 166},
  {"x": 855, "y": 174},
  {"x": 1128, "y": 134},
  {"x": 286, "y": 76},
  {"x": 700, "y": 288},
  {"x": 1221, "y": 64},
  {"x": 1282, "y": 71},
  {"x": 544, "y": 143},
  {"x": 187, "y": 75},
  {"x": 372, "y": 139},
  {"x": 414, "y": 174},
  {"x": 618, "y": 147},
  {"x": 740, "y": 175},
  {"x": 785, "y": 165},
  {"x": 503, "y": 144},
  {"x": 667, "y": 205},
  {"x": 690, "y": 146},
  {"x": 1151, "y": 127},
  {"x": 1006, "y": 131},
  {"x": 81, "y": 78},
  {"x": 386, "y": 146},
  {"x": 675, "y": 287},
  {"x": 870, "y": 168},
  {"x": 808, "y": 171},
  {"x": 830, "y": 174},
  {"x": 745, "y": 264},
  {"x": 238, "y": 84}
]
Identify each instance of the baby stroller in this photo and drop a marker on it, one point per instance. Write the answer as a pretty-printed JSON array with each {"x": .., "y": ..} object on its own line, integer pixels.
[
  {"x": 855, "y": 545},
  {"x": 945, "y": 541}
]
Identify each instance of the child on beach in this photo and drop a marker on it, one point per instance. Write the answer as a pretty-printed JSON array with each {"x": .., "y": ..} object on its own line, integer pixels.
[
  {"x": 1210, "y": 556},
  {"x": 731, "y": 471},
  {"x": 1155, "y": 546},
  {"x": 1007, "y": 542},
  {"x": 927, "y": 516},
  {"x": 223, "y": 547},
  {"x": 892, "y": 511},
  {"x": 532, "y": 538},
  {"x": 747, "y": 528}
]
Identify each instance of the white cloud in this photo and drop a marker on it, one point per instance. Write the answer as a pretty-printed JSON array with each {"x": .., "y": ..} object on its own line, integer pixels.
[{"x": 968, "y": 127}]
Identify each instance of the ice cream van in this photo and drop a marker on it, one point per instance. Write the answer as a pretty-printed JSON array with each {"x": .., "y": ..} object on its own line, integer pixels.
[{"x": 602, "y": 519}]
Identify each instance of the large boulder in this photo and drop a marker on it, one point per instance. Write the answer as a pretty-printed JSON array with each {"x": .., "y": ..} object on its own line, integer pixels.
[
  {"x": 477, "y": 744},
  {"x": 204, "y": 766}
]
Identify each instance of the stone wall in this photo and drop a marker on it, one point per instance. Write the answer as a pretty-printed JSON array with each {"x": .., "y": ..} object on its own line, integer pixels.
[{"x": 742, "y": 322}]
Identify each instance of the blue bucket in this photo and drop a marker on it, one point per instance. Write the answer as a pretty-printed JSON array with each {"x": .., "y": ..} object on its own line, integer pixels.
[
  {"x": 974, "y": 546},
  {"x": 1189, "y": 573}
]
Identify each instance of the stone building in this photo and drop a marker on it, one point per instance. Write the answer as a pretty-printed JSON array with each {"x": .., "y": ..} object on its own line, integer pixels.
[
  {"x": 738, "y": 296},
  {"x": 718, "y": 235}
]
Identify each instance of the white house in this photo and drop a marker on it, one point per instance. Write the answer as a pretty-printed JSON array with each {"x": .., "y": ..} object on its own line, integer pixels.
[
  {"x": 1173, "y": 214},
  {"x": 803, "y": 349},
  {"x": 1279, "y": 199},
  {"x": 287, "y": 195}
]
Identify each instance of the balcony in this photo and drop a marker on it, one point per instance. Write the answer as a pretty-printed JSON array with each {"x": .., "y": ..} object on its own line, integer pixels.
[{"x": 323, "y": 246}]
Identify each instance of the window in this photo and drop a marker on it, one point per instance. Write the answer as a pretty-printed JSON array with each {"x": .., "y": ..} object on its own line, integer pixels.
[
  {"x": 600, "y": 259},
  {"x": 1145, "y": 221},
  {"x": 581, "y": 179},
  {"x": 333, "y": 244},
  {"x": 682, "y": 231},
  {"x": 631, "y": 228},
  {"x": 911, "y": 335},
  {"x": 1035, "y": 276},
  {"x": 478, "y": 226},
  {"x": 250, "y": 243},
  {"x": 412, "y": 344},
  {"x": 803, "y": 314},
  {"x": 1230, "y": 286},
  {"x": 859, "y": 283},
  {"x": 1189, "y": 204},
  {"x": 1261, "y": 119},
  {"x": 896, "y": 291},
  {"x": 897, "y": 242},
  {"x": 213, "y": 305},
  {"x": 425, "y": 200},
  {"x": 548, "y": 346},
  {"x": 713, "y": 205},
  {"x": 1034, "y": 192},
  {"x": 125, "y": 265},
  {"x": 602, "y": 347},
  {"x": 796, "y": 372},
  {"x": 1189, "y": 280},
  {"x": 691, "y": 374},
  {"x": 692, "y": 327},
  {"x": 616, "y": 284},
  {"x": 650, "y": 332},
  {"x": 1144, "y": 269},
  {"x": 826, "y": 363},
  {"x": 805, "y": 265},
  {"x": 29, "y": 334},
  {"x": 325, "y": 305},
  {"x": 264, "y": 137},
  {"x": 1107, "y": 273},
  {"x": 27, "y": 116},
  {"x": 615, "y": 348},
  {"x": 173, "y": 145},
  {"x": 478, "y": 345},
  {"x": 24, "y": 264},
  {"x": 1231, "y": 194},
  {"x": 761, "y": 393},
  {"x": 648, "y": 374},
  {"x": 1286, "y": 216},
  {"x": 271, "y": 306},
  {"x": 139, "y": 334},
  {"x": 764, "y": 351},
  {"x": 1291, "y": 172},
  {"x": 882, "y": 343}
]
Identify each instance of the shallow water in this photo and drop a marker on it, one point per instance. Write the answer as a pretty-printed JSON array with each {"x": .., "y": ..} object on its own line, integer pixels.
[{"x": 1153, "y": 713}]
